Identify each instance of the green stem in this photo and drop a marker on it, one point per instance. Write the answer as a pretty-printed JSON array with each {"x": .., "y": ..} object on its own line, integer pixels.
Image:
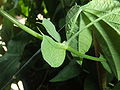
[
  {"x": 37, "y": 35},
  {"x": 84, "y": 56},
  {"x": 15, "y": 21}
]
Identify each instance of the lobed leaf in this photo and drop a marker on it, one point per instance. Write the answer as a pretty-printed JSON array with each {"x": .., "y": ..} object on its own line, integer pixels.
[
  {"x": 107, "y": 30},
  {"x": 102, "y": 17}
]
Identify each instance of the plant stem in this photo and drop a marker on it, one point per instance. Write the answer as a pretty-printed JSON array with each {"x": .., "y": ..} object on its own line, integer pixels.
[
  {"x": 84, "y": 56},
  {"x": 15, "y": 21},
  {"x": 37, "y": 35}
]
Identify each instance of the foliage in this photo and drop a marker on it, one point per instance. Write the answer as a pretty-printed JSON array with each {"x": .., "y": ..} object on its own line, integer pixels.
[{"x": 78, "y": 47}]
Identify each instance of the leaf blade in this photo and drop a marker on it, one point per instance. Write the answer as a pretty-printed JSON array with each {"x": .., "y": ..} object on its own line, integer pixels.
[
  {"x": 69, "y": 71},
  {"x": 51, "y": 29},
  {"x": 52, "y": 52}
]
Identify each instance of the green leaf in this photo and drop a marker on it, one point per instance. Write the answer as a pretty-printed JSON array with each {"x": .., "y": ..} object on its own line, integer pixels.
[
  {"x": 23, "y": 8},
  {"x": 85, "y": 37},
  {"x": 53, "y": 52},
  {"x": 72, "y": 24},
  {"x": 109, "y": 6},
  {"x": 7, "y": 70},
  {"x": 10, "y": 61},
  {"x": 70, "y": 71},
  {"x": 51, "y": 29},
  {"x": 107, "y": 30},
  {"x": 76, "y": 22},
  {"x": 106, "y": 66}
]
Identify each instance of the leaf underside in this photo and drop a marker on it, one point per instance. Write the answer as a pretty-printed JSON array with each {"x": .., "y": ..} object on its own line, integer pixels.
[
  {"x": 107, "y": 30},
  {"x": 52, "y": 52}
]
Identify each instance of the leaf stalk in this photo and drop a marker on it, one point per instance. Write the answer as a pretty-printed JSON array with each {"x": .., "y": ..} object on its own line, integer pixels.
[{"x": 37, "y": 35}]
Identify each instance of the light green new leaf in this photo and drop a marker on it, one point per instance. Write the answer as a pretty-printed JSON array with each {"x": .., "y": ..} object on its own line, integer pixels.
[
  {"x": 51, "y": 29},
  {"x": 70, "y": 71},
  {"x": 107, "y": 30},
  {"x": 53, "y": 52}
]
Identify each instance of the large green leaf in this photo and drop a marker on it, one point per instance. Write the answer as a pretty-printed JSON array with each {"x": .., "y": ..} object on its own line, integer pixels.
[
  {"x": 7, "y": 70},
  {"x": 105, "y": 7},
  {"x": 70, "y": 71},
  {"x": 51, "y": 29},
  {"x": 53, "y": 52},
  {"x": 102, "y": 17},
  {"x": 9, "y": 63},
  {"x": 107, "y": 30}
]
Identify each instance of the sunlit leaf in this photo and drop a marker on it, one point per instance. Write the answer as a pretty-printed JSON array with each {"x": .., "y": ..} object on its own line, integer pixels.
[
  {"x": 52, "y": 52},
  {"x": 107, "y": 30}
]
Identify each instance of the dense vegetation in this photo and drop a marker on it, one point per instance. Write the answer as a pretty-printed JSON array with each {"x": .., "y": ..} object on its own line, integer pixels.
[{"x": 63, "y": 45}]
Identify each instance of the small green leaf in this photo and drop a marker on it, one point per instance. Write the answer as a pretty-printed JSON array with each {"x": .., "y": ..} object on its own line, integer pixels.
[
  {"x": 109, "y": 42},
  {"x": 106, "y": 66},
  {"x": 53, "y": 52},
  {"x": 85, "y": 37},
  {"x": 76, "y": 22},
  {"x": 51, "y": 29},
  {"x": 70, "y": 71}
]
